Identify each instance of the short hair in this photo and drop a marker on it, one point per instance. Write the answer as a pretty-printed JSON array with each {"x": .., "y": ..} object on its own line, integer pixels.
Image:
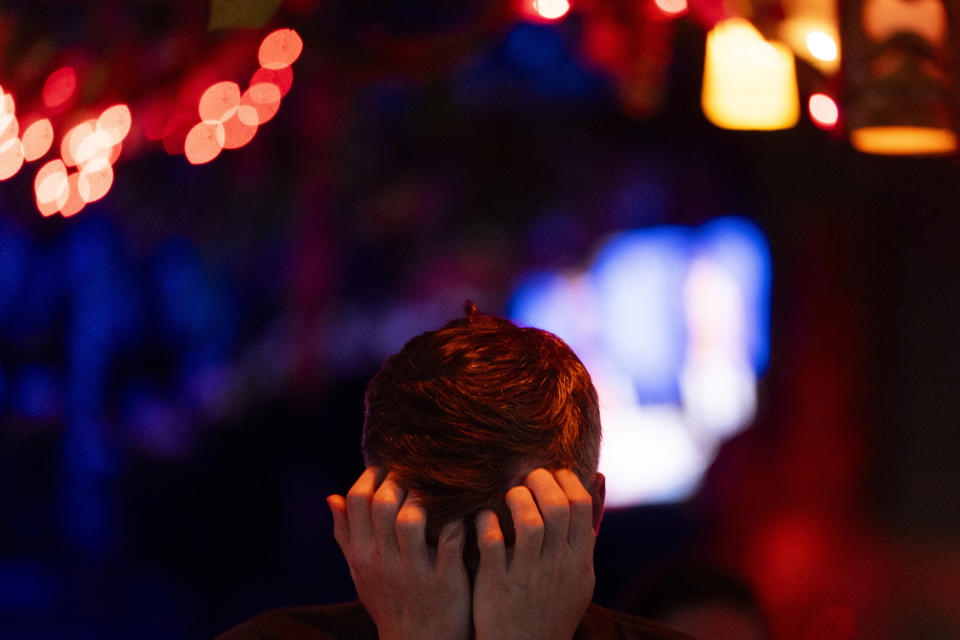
[{"x": 458, "y": 411}]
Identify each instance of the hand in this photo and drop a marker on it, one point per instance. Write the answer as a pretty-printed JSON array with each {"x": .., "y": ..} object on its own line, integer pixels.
[
  {"x": 409, "y": 589},
  {"x": 542, "y": 589}
]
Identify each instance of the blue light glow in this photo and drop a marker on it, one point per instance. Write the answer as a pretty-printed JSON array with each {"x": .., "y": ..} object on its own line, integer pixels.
[{"x": 674, "y": 325}]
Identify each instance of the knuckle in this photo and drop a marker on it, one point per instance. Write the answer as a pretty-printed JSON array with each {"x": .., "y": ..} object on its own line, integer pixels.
[
  {"x": 383, "y": 503},
  {"x": 408, "y": 519},
  {"x": 556, "y": 511},
  {"x": 529, "y": 524},
  {"x": 490, "y": 540},
  {"x": 581, "y": 504}
]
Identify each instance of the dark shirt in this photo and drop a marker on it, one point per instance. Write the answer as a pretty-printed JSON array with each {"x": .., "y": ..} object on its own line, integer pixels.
[{"x": 350, "y": 621}]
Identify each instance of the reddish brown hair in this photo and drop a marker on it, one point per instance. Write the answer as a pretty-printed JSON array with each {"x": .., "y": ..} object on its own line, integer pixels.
[{"x": 458, "y": 411}]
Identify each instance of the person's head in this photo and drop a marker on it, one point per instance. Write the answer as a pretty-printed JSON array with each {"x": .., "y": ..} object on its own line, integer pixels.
[{"x": 462, "y": 413}]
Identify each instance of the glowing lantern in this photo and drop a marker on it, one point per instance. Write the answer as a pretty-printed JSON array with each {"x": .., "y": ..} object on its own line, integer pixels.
[
  {"x": 748, "y": 82},
  {"x": 897, "y": 83}
]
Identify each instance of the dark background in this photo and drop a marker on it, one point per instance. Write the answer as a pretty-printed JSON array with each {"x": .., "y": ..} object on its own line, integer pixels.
[{"x": 183, "y": 362}]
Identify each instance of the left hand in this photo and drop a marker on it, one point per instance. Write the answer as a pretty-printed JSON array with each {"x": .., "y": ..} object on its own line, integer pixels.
[{"x": 541, "y": 588}]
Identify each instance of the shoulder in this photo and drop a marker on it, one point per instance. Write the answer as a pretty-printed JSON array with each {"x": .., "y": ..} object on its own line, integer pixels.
[
  {"x": 600, "y": 623},
  {"x": 324, "y": 622}
]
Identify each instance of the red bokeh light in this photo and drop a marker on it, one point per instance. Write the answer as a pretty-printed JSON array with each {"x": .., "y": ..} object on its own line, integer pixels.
[
  {"x": 11, "y": 157},
  {"x": 37, "y": 139},
  {"x": 545, "y": 9},
  {"x": 217, "y": 101},
  {"x": 75, "y": 201},
  {"x": 672, "y": 8},
  {"x": 204, "y": 142},
  {"x": 823, "y": 111},
  {"x": 51, "y": 187},
  {"x": 265, "y": 100},
  {"x": 95, "y": 180},
  {"x": 237, "y": 129},
  {"x": 280, "y": 49},
  {"x": 113, "y": 125},
  {"x": 72, "y": 140},
  {"x": 59, "y": 87},
  {"x": 283, "y": 78}
]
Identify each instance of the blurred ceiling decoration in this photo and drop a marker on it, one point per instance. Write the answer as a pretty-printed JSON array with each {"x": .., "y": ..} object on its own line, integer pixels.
[
  {"x": 898, "y": 77},
  {"x": 153, "y": 59}
]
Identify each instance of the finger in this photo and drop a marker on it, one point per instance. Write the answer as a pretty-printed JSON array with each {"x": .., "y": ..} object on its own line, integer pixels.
[
  {"x": 493, "y": 551},
  {"x": 411, "y": 531},
  {"x": 529, "y": 528},
  {"x": 341, "y": 532},
  {"x": 450, "y": 545},
  {"x": 385, "y": 505},
  {"x": 358, "y": 505},
  {"x": 554, "y": 508},
  {"x": 581, "y": 530}
]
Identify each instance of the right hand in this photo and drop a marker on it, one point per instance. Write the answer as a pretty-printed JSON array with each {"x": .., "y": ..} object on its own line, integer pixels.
[{"x": 409, "y": 589}]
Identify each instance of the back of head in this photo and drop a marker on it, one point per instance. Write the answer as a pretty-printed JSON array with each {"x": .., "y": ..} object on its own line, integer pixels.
[{"x": 460, "y": 411}]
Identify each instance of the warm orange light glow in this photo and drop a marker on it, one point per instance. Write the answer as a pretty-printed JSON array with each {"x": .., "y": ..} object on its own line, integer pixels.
[
  {"x": 748, "y": 82},
  {"x": 204, "y": 142},
  {"x": 59, "y": 87},
  {"x": 551, "y": 9},
  {"x": 74, "y": 202},
  {"x": 821, "y": 46},
  {"x": 239, "y": 130},
  {"x": 283, "y": 78},
  {"x": 218, "y": 100},
  {"x": 11, "y": 158},
  {"x": 264, "y": 98},
  {"x": 51, "y": 187},
  {"x": 672, "y": 7},
  {"x": 51, "y": 180},
  {"x": 280, "y": 49},
  {"x": 37, "y": 139},
  {"x": 903, "y": 141},
  {"x": 73, "y": 138},
  {"x": 823, "y": 111},
  {"x": 113, "y": 125},
  {"x": 9, "y": 124},
  {"x": 95, "y": 180}
]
